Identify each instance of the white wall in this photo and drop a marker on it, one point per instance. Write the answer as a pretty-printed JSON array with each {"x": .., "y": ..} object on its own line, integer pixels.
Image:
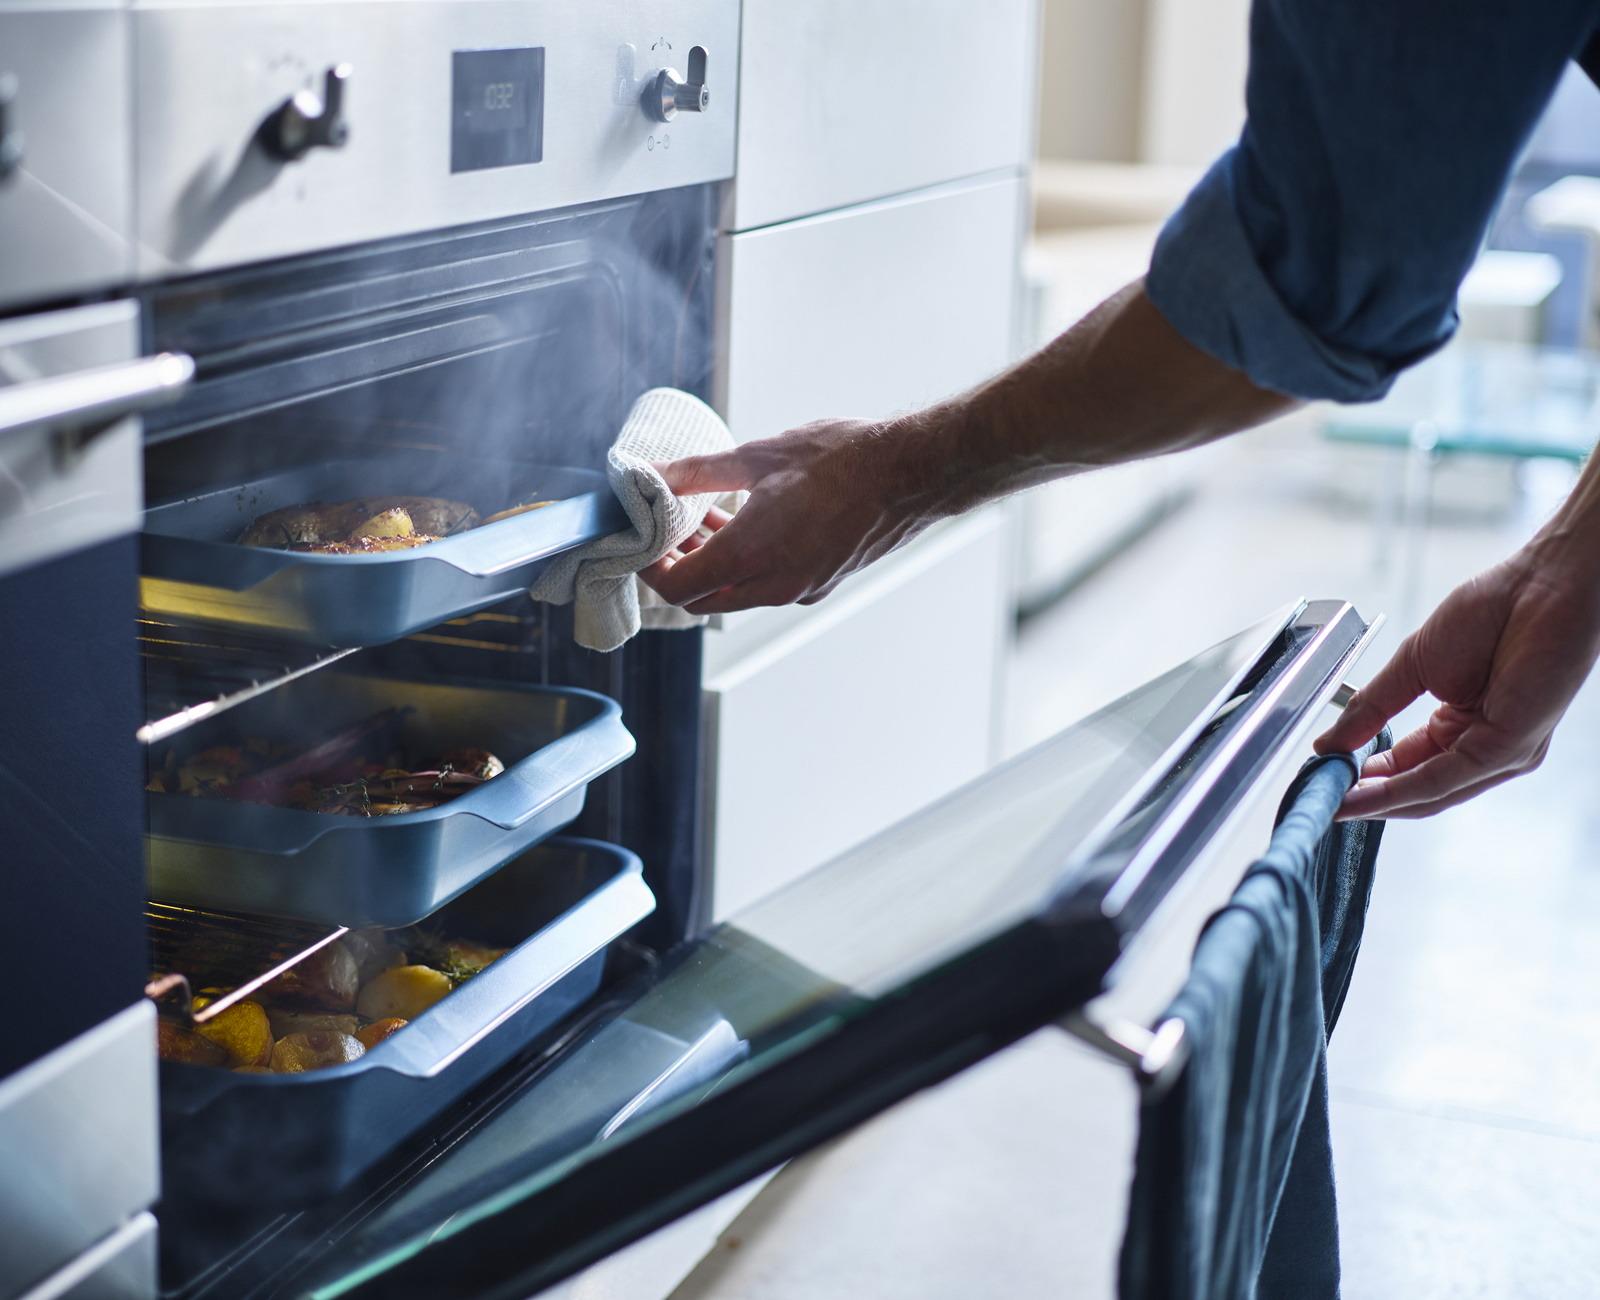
[
  {"x": 1090, "y": 79},
  {"x": 1196, "y": 57},
  {"x": 1158, "y": 81}
]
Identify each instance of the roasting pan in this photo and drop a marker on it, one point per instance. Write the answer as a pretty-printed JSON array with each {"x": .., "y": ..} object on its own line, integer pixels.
[
  {"x": 240, "y": 857},
  {"x": 192, "y": 569},
  {"x": 282, "y": 1139}
]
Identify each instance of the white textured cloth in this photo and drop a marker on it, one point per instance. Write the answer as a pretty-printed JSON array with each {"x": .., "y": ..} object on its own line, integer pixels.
[{"x": 612, "y": 604}]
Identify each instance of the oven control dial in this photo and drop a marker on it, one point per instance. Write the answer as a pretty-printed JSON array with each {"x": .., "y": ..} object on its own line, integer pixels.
[
  {"x": 667, "y": 94},
  {"x": 304, "y": 121}
]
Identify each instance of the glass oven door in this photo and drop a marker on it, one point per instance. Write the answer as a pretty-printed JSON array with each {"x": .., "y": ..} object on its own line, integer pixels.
[{"x": 925, "y": 950}]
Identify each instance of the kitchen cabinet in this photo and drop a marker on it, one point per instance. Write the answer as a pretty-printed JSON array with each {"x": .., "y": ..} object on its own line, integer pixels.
[
  {"x": 844, "y": 101},
  {"x": 878, "y": 704}
]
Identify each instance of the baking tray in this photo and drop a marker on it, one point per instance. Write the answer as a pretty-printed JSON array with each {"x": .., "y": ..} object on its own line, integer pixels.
[
  {"x": 275, "y": 1140},
  {"x": 193, "y": 570},
  {"x": 231, "y": 856}
]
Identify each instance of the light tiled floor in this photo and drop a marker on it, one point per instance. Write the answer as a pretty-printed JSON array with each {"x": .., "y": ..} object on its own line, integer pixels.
[{"x": 1463, "y": 1072}]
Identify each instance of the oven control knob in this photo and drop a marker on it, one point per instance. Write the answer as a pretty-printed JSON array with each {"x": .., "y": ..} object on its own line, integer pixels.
[
  {"x": 667, "y": 94},
  {"x": 10, "y": 137},
  {"x": 304, "y": 122}
]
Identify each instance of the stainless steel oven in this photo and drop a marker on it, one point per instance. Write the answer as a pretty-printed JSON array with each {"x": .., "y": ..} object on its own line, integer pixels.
[{"x": 434, "y": 250}]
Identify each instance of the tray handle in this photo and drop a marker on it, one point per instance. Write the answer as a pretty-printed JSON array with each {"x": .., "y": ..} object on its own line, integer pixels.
[
  {"x": 553, "y": 771},
  {"x": 585, "y": 929},
  {"x": 494, "y": 549}
]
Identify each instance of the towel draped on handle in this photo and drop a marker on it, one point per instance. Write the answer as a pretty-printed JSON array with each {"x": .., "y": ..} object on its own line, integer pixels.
[{"x": 1233, "y": 1191}]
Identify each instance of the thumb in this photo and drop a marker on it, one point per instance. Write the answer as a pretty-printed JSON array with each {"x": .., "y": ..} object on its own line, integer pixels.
[
  {"x": 1393, "y": 687},
  {"x": 723, "y": 471}
]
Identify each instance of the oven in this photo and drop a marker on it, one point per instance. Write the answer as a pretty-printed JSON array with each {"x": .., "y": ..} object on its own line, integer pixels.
[{"x": 417, "y": 251}]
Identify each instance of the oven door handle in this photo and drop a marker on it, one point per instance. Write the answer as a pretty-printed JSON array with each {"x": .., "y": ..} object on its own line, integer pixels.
[{"x": 78, "y": 407}]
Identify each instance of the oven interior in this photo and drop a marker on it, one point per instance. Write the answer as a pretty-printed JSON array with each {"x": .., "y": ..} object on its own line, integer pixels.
[{"x": 522, "y": 340}]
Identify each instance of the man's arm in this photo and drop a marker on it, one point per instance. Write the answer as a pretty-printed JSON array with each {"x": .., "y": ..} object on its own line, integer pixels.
[
  {"x": 1317, "y": 258},
  {"x": 1504, "y": 655},
  {"x": 829, "y": 498}
]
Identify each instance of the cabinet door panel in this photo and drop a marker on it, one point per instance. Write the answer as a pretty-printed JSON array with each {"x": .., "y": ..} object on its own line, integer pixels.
[
  {"x": 841, "y": 101},
  {"x": 870, "y": 311},
  {"x": 856, "y": 717}
]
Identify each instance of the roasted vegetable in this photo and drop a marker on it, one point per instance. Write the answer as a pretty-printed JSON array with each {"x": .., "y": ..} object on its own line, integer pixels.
[
  {"x": 373, "y": 1034},
  {"x": 328, "y": 526},
  {"x": 361, "y": 770},
  {"x": 458, "y": 959},
  {"x": 348, "y": 996},
  {"x": 477, "y": 763},
  {"x": 327, "y": 980},
  {"x": 242, "y": 1031},
  {"x": 403, "y": 993},
  {"x": 174, "y": 1042},
  {"x": 373, "y": 951},
  {"x": 513, "y": 511},
  {"x": 285, "y": 1022},
  {"x": 316, "y": 1050}
]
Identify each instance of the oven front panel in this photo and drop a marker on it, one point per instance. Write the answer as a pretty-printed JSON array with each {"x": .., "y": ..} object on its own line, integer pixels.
[
  {"x": 447, "y": 113},
  {"x": 71, "y": 865},
  {"x": 66, "y": 183}
]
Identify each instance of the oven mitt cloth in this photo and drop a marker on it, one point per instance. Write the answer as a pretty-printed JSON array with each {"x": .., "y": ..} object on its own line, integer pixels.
[
  {"x": 1233, "y": 1190},
  {"x": 611, "y": 603}
]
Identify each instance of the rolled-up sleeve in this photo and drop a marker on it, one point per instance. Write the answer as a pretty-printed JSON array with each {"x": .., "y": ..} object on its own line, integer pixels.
[{"x": 1321, "y": 255}]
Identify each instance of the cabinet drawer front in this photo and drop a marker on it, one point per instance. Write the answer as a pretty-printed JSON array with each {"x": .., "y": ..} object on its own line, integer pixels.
[
  {"x": 842, "y": 101},
  {"x": 870, "y": 311},
  {"x": 858, "y": 716}
]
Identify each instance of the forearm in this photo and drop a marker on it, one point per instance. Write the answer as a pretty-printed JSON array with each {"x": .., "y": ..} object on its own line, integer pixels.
[
  {"x": 1569, "y": 542},
  {"x": 1120, "y": 385}
]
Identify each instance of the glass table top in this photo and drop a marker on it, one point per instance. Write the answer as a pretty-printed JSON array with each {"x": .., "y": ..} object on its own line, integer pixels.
[{"x": 1489, "y": 399}]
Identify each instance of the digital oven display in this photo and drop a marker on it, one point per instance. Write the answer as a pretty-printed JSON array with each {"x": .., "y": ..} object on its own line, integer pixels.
[{"x": 497, "y": 108}]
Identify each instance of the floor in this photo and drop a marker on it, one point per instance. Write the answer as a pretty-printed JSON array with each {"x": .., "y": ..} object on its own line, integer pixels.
[{"x": 1467, "y": 1144}]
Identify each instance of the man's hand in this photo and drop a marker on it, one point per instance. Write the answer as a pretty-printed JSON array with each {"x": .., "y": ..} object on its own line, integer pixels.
[
  {"x": 825, "y": 500},
  {"x": 828, "y": 498},
  {"x": 1504, "y": 655}
]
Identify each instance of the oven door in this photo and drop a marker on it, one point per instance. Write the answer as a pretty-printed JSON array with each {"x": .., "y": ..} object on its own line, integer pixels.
[{"x": 1002, "y": 909}]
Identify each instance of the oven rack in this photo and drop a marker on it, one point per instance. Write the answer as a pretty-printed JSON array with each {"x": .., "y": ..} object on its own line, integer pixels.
[
  {"x": 193, "y": 672},
  {"x": 193, "y": 949}
]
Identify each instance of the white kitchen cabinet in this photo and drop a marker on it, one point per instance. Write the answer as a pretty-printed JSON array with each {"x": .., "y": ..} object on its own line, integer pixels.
[
  {"x": 870, "y": 311},
  {"x": 877, "y": 704},
  {"x": 869, "y": 265},
  {"x": 841, "y": 101}
]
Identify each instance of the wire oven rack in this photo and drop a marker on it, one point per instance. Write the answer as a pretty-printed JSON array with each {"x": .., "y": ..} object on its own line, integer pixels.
[
  {"x": 194, "y": 673},
  {"x": 192, "y": 949}
]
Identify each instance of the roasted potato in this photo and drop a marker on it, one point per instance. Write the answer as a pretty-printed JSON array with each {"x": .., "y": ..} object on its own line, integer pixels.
[
  {"x": 404, "y": 992},
  {"x": 242, "y": 1031},
  {"x": 291, "y": 526},
  {"x": 316, "y": 1050},
  {"x": 475, "y": 762},
  {"x": 342, "y": 523},
  {"x": 175, "y": 1042},
  {"x": 373, "y": 952},
  {"x": 513, "y": 511},
  {"x": 327, "y": 980},
  {"x": 373, "y": 1034},
  {"x": 393, "y": 522},
  {"x": 286, "y": 1021},
  {"x": 434, "y": 515}
]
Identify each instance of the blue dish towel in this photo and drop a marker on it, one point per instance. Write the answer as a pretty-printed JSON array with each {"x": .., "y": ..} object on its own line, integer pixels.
[{"x": 1233, "y": 1193}]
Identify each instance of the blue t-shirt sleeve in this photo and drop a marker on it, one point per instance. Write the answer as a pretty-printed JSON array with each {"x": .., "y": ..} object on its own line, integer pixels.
[{"x": 1321, "y": 255}]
